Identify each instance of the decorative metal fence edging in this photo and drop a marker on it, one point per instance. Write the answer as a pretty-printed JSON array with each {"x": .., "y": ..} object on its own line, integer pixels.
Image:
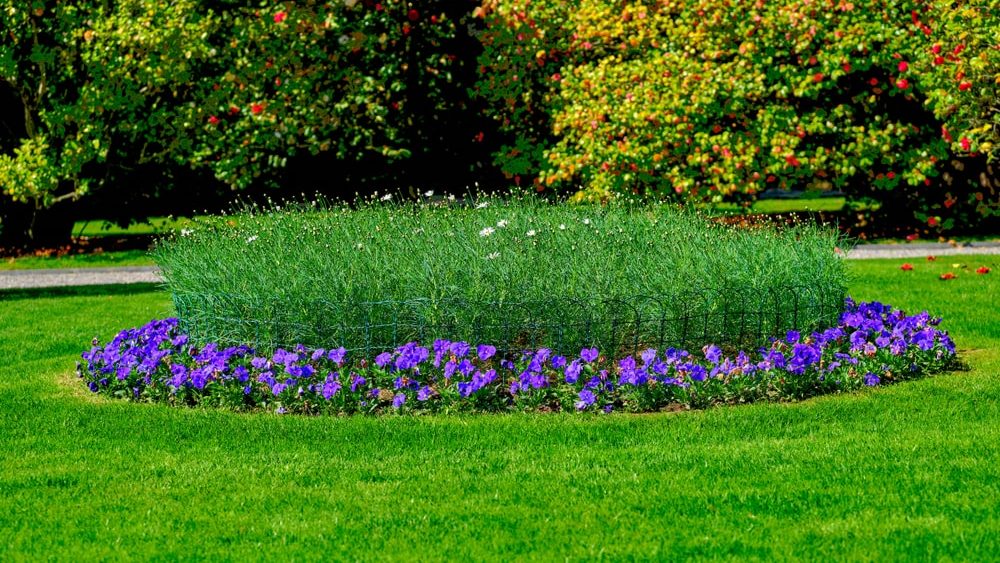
[{"x": 729, "y": 317}]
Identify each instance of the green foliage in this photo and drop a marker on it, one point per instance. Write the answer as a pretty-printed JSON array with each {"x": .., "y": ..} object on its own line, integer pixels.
[
  {"x": 336, "y": 77},
  {"x": 317, "y": 276},
  {"x": 107, "y": 88},
  {"x": 683, "y": 98}
]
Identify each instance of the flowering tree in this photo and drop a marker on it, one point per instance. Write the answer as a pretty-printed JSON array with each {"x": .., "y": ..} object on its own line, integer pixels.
[
  {"x": 683, "y": 98},
  {"x": 75, "y": 119},
  {"x": 105, "y": 88}
]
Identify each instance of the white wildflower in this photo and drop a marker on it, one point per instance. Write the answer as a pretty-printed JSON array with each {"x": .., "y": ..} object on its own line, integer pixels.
[
  {"x": 187, "y": 232},
  {"x": 251, "y": 239},
  {"x": 493, "y": 256},
  {"x": 530, "y": 233},
  {"x": 429, "y": 193},
  {"x": 562, "y": 227},
  {"x": 486, "y": 232},
  {"x": 586, "y": 220},
  {"x": 360, "y": 246},
  {"x": 482, "y": 205},
  {"x": 386, "y": 197},
  {"x": 502, "y": 223}
]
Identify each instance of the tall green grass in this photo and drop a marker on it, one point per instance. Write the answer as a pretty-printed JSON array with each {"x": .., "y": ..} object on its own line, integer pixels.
[{"x": 516, "y": 272}]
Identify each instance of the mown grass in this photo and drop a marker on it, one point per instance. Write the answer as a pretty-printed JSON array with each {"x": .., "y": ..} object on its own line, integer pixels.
[
  {"x": 84, "y": 260},
  {"x": 516, "y": 273},
  {"x": 905, "y": 472},
  {"x": 151, "y": 226}
]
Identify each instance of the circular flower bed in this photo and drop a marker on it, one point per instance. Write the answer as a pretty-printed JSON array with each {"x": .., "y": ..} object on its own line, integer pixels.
[{"x": 873, "y": 344}]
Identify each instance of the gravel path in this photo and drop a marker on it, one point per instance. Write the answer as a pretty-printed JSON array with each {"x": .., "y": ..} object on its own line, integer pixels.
[
  {"x": 922, "y": 249},
  {"x": 19, "y": 279}
]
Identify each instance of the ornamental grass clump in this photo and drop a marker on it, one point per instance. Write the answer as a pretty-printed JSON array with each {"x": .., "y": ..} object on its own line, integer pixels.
[{"x": 518, "y": 273}]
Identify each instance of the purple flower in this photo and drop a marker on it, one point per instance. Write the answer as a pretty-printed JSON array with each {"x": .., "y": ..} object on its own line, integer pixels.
[
  {"x": 241, "y": 373},
  {"x": 424, "y": 393},
  {"x": 330, "y": 388},
  {"x": 883, "y": 340},
  {"x": 460, "y": 349},
  {"x": 648, "y": 355},
  {"x": 558, "y": 362},
  {"x": 383, "y": 359},
  {"x": 398, "y": 400},
  {"x": 573, "y": 372},
  {"x": 858, "y": 339},
  {"x": 466, "y": 367},
  {"x": 924, "y": 339},
  {"x": 179, "y": 374},
  {"x": 871, "y": 379},
  {"x": 485, "y": 352},
  {"x": 589, "y": 354},
  {"x": 300, "y": 371},
  {"x": 712, "y": 353},
  {"x": 337, "y": 356},
  {"x": 357, "y": 381},
  {"x": 284, "y": 357},
  {"x": 514, "y": 387},
  {"x": 696, "y": 372},
  {"x": 792, "y": 336},
  {"x": 440, "y": 348},
  {"x": 587, "y": 398}
]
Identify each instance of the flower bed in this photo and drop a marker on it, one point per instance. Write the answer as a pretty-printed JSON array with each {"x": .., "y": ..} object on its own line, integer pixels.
[{"x": 873, "y": 344}]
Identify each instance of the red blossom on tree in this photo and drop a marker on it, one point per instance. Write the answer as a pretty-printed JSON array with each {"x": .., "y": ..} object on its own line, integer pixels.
[{"x": 280, "y": 17}]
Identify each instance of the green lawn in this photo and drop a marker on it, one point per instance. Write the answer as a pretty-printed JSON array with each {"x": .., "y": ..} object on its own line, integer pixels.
[
  {"x": 153, "y": 226},
  {"x": 905, "y": 472},
  {"x": 770, "y": 206},
  {"x": 88, "y": 260}
]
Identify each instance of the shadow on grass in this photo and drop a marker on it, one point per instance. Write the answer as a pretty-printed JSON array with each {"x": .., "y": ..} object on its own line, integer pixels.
[{"x": 107, "y": 290}]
